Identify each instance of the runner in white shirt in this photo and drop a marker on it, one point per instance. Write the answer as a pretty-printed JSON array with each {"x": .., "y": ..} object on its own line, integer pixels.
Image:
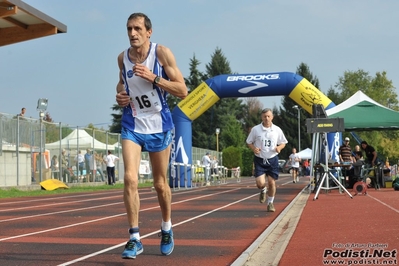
[
  {"x": 294, "y": 162},
  {"x": 266, "y": 140}
]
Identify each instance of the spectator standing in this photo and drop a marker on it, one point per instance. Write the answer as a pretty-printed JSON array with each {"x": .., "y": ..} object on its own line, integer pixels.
[
  {"x": 147, "y": 74},
  {"x": 215, "y": 171},
  {"x": 345, "y": 156},
  {"x": 64, "y": 166},
  {"x": 22, "y": 113},
  {"x": 294, "y": 161},
  {"x": 306, "y": 167},
  {"x": 99, "y": 165},
  {"x": 371, "y": 153},
  {"x": 266, "y": 140},
  {"x": 206, "y": 162},
  {"x": 80, "y": 163},
  {"x": 88, "y": 161},
  {"x": 54, "y": 166},
  {"x": 345, "y": 152},
  {"x": 104, "y": 165},
  {"x": 93, "y": 166},
  {"x": 110, "y": 160}
]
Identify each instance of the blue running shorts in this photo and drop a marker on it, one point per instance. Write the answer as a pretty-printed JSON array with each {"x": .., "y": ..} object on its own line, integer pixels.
[
  {"x": 266, "y": 166},
  {"x": 149, "y": 142}
]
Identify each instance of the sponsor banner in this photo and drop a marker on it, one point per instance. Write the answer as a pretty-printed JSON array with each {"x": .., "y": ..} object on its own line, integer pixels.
[
  {"x": 181, "y": 150},
  {"x": 305, "y": 94},
  {"x": 198, "y": 101}
]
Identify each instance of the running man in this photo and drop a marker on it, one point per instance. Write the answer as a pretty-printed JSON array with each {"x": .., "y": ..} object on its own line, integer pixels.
[
  {"x": 147, "y": 73},
  {"x": 294, "y": 162},
  {"x": 266, "y": 140}
]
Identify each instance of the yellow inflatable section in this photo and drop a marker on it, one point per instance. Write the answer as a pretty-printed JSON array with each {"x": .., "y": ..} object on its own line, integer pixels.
[{"x": 52, "y": 184}]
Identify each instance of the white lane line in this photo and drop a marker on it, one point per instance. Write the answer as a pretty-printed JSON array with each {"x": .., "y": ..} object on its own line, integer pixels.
[
  {"x": 155, "y": 232},
  {"x": 79, "y": 209},
  {"x": 54, "y": 198},
  {"x": 58, "y": 203},
  {"x": 73, "y": 210},
  {"x": 58, "y": 212},
  {"x": 106, "y": 218},
  {"x": 383, "y": 203},
  {"x": 93, "y": 207},
  {"x": 92, "y": 199}
]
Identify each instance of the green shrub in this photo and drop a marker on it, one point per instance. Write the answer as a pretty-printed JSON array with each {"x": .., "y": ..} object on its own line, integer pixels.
[
  {"x": 232, "y": 157},
  {"x": 247, "y": 159}
]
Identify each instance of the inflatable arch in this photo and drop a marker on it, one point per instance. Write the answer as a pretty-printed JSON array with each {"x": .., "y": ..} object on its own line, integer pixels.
[{"x": 239, "y": 85}]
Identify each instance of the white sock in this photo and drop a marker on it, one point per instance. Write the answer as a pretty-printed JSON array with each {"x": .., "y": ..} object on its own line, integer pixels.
[
  {"x": 264, "y": 190},
  {"x": 270, "y": 200},
  {"x": 166, "y": 226},
  {"x": 134, "y": 233}
]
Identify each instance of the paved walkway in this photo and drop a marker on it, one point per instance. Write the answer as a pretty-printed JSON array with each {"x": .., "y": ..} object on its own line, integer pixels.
[{"x": 331, "y": 230}]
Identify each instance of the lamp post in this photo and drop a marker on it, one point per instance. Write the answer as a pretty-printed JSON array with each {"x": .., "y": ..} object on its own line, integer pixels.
[
  {"x": 41, "y": 107},
  {"x": 217, "y": 145},
  {"x": 217, "y": 141},
  {"x": 299, "y": 126}
]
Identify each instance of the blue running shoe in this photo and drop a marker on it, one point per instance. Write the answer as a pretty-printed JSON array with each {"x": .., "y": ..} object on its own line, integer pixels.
[
  {"x": 133, "y": 247},
  {"x": 167, "y": 243}
]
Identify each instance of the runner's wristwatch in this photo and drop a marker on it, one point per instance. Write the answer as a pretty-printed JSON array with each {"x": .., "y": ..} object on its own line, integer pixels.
[{"x": 156, "y": 80}]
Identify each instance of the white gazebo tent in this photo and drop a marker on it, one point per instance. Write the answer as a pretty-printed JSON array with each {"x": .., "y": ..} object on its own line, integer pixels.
[
  {"x": 81, "y": 137},
  {"x": 305, "y": 154}
]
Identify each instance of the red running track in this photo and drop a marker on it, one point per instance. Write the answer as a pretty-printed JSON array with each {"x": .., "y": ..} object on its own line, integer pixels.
[
  {"x": 337, "y": 230},
  {"x": 212, "y": 225}
]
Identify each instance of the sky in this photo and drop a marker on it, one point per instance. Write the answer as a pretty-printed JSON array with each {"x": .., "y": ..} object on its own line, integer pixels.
[{"x": 77, "y": 71}]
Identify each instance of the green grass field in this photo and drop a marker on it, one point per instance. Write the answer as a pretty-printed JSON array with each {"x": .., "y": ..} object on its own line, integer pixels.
[{"x": 16, "y": 193}]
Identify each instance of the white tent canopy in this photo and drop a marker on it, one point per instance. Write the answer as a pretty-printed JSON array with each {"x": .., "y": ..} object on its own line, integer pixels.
[
  {"x": 83, "y": 138},
  {"x": 305, "y": 154},
  {"x": 117, "y": 144},
  {"x": 358, "y": 97}
]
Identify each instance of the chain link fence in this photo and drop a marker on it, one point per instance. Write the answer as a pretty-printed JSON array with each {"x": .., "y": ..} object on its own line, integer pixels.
[{"x": 34, "y": 150}]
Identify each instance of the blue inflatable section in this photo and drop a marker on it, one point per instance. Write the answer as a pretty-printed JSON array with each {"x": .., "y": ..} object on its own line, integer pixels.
[{"x": 237, "y": 86}]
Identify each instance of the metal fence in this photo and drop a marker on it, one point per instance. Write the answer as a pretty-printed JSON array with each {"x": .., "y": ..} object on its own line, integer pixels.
[{"x": 29, "y": 145}]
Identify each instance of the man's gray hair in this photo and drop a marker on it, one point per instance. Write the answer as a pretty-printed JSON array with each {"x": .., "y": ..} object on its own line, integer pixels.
[{"x": 266, "y": 110}]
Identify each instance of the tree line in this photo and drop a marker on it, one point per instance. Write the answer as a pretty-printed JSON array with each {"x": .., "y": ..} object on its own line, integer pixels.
[{"x": 235, "y": 116}]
